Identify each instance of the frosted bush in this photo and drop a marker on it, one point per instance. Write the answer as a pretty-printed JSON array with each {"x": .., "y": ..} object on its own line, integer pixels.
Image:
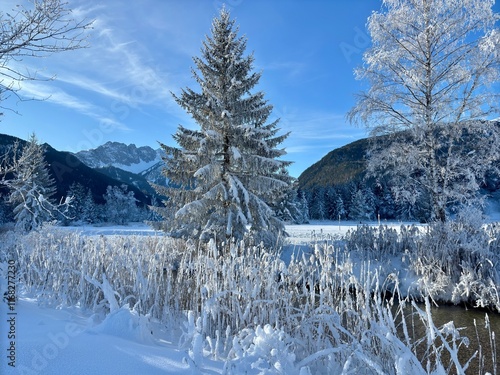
[
  {"x": 456, "y": 261},
  {"x": 127, "y": 324},
  {"x": 263, "y": 350},
  {"x": 379, "y": 242}
]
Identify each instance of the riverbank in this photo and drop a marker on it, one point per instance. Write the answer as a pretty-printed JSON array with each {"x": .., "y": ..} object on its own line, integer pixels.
[{"x": 313, "y": 309}]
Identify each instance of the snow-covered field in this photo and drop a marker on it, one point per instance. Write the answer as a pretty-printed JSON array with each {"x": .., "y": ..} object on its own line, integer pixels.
[
  {"x": 298, "y": 233},
  {"x": 40, "y": 339},
  {"x": 65, "y": 341}
]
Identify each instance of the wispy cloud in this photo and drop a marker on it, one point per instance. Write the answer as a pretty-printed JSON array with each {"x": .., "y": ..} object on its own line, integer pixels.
[
  {"x": 314, "y": 133},
  {"x": 116, "y": 70},
  {"x": 292, "y": 69},
  {"x": 54, "y": 95},
  {"x": 94, "y": 86}
]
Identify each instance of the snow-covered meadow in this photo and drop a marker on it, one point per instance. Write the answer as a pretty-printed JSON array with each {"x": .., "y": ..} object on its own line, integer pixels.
[{"x": 128, "y": 300}]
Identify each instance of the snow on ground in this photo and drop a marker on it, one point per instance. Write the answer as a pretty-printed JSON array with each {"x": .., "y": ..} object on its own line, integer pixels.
[
  {"x": 298, "y": 234},
  {"x": 66, "y": 341},
  {"x": 69, "y": 341},
  {"x": 326, "y": 230},
  {"x": 138, "y": 229}
]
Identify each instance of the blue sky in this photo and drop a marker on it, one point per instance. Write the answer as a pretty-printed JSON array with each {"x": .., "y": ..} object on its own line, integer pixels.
[{"x": 119, "y": 88}]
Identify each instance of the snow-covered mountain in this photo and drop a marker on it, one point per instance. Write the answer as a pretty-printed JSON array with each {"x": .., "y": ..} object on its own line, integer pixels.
[{"x": 130, "y": 158}]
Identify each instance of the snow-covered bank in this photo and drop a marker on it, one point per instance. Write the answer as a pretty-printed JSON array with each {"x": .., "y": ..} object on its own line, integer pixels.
[
  {"x": 67, "y": 341},
  {"x": 298, "y": 234},
  {"x": 247, "y": 312}
]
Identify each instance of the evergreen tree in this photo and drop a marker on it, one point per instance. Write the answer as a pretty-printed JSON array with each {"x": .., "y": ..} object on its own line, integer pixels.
[
  {"x": 226, "y": 175},
  {"x": 361, "y": 207},
  {"x": 303, "y": 208},
  {"x": 385, "y": 206},
  {"x": 317, "y": 206},
  {"x": 83, "y": 208},
  {"x": 77, "y": 191},
  {"x": 331, "y": 203},
  {"x": 32, "y": 188},
  {"x": 153, "y": 218},
  {"x": 89, "y": 209},
  {"x": 340, "y": 211},
  {"x": 291, "y": 208}
]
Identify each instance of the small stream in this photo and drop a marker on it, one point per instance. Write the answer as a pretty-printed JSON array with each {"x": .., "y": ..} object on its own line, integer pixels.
[{"x": 464, "y": 318}]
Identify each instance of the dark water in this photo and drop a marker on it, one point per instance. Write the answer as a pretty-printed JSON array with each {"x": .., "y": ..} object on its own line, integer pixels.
[{"x": 480, "y": 338}]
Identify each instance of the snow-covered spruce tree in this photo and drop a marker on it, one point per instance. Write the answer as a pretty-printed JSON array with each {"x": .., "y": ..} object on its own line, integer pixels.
[
  {"x": 361, "y": 207},
  {"x": 317, "y": 205},
  {"x": 83, "y": 208},
  {"x": 32, "y": 188},
  {"x": 77, "y": 191},
  {"x": 431, "y": 68},
  {"x": 89, "y": 209},
  {"x": 293, "y": 207},
  {"x": 226, "y": 176}
]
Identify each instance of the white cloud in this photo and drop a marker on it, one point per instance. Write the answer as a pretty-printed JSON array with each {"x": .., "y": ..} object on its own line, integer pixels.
[
  {"x": 54, "y": 95},
  {"x": 116, "y": 67}
]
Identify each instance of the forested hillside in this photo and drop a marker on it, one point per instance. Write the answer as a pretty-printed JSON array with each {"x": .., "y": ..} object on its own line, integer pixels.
[{"x": 339, "y": 186}]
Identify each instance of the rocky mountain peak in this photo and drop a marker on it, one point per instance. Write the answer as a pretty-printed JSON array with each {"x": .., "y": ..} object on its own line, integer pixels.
[{"x": 127, "y": 157}]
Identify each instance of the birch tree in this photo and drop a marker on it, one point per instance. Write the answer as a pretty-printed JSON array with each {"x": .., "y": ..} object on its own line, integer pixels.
[
  {"x": 37, "y": 29},
  {"x": 226, "y": 176},
  {"x": 431, "y": 72}
]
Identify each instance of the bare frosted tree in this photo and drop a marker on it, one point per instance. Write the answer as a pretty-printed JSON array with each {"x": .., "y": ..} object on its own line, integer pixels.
[
  {"x": 40, "y": 28},
  {"x": 431, "y": 70},
  {"x": 227, "y": 176}
]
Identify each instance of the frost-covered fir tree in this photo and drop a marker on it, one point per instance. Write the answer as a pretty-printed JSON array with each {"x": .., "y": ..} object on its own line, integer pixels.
[
  {"x": 83, "y": 208},
  {"x": 77, "y": 191},
  {"x": 432, "y": 68},
  {"x": 361, "y": 207},
  {"x": 339, "y": 207},
  {"x": 32, "y": 188},
  {"x": 225, "y": 177},
  {"x": 317, "y": 205},
  {"x": 331, "y": 197},
  {"x": 89, "y": 209},
  {"x": 293, "y": 207}
]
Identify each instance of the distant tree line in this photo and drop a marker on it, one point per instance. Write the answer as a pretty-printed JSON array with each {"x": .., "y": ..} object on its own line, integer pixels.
[
  {"x": 120, "y": 206},
  {"x": 27, "y": 192},
  {"x": 365, "y": 200}
]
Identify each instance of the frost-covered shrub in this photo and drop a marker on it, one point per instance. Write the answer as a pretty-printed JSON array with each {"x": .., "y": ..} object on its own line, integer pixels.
[
  {"x": 465, "y": 256},
  {"x": 381, "y": 241},
  {"x": 66, "y": 268},
  {"x": 263, "y": 350},
  {"x": 456, "y": 261},
  {"x": 121, "y": 206}
]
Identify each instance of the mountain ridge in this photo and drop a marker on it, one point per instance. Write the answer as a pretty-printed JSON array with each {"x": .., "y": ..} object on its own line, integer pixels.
[
  {"x": 65, "y": 168},
  {"x": 339, "y": 167},
  {"x": 129, "y": 157}
]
